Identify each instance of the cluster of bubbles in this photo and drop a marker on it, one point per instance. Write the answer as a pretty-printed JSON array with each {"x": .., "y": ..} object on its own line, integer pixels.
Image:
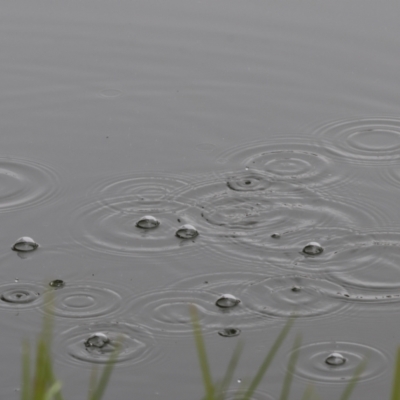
[{"x": 185, "y": 231}]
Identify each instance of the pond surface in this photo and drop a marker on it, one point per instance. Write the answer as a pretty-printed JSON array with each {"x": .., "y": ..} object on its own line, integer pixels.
[{"x": 261, "y": 126}]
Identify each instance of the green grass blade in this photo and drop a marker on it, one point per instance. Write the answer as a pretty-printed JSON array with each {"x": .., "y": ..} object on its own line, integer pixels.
[
  {"x": 102, "y": 383},
  {"x": 229, "y": 371},
  {"x": 202, "y": 355},
  {"x": 396, "y": 378},
  {"x": 309, "y": 393},
  {"x": 26, "y": 371},
  {"x": 353, "y": 381},
  {"x": 268, "y": 359},
  {"x": 52, "y": 391},
  {"x": 287, "y": 381}
]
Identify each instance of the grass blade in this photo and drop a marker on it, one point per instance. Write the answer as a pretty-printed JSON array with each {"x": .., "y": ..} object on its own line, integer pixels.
[
  {"x": 26, "y": 371},
  {"x": 52, "y": 391},
  {"x": 353, "y": 381},
  {"x": 102, "y": 383},
  {"x": 229, "y": 371},
  {"x": 396, "y": 378},
  {"x": 268, "y": 359},
  {"x": 202, "y": 355},
  {"x": 287, "y": 381}
]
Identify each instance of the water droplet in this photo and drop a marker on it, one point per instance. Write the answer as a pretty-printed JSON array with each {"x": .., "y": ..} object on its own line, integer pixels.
[
  {"x": 296, "y": 289},
  {"x": 276, "y": 235},
  {"x": 57, "y": 284},
  {"x": 313, "y": 249},
  {"x": 335, "y": 359},
  {"x": 229, "y": 332},
  {"x": 239, "y": 381},
  {"x": 25, "y": 244},
  {"x": 148, "y": 222},
  {"x": 227, "y": 301},
  {"x": 186, "y": 232},
  {"x": 98, "y": 340}
]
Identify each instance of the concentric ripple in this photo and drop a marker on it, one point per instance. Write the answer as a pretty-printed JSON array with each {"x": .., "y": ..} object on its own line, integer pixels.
[
  {"x": 109, "y": 224},
  {"x": 20, "y": 295},
  {"x": 311, "y": 363},
  {"x": 290, "y": 158},
  {"x": 251, "y": 218},
  {"x": 364, "y": 140},
  {"x": 265, "y": 298},
  {"x": 112, "y": 229},
  {"x": 132, "y": 192},
  {"x": 166, "y": 312},
  {"x": 26, "y": 184},
  {"x": 369, "y": 264},
  {"x": 136, "y": 343},
  {"x": 85, "y": 301},
  {"x": 287, "y": 296}
]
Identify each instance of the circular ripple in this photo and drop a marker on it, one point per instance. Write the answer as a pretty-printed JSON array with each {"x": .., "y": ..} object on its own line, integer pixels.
[
  {"x": 112, "y": 229},
  {"x": 366, "y": 262},
  {"x": 311, "y": 363},
  {"x": 84, "y": 301},
  {"x": 291, "y": 158},
  {"x": 136, "y": 343},
  {"x": 166, "y": 312},
  {"x": 133, "y": 193},
  {"x": 25, "y": 184},
  {"x": 299, "y": 296},
  {"x": 20, "y": 295},
  {"x": 363, "y": 140},
  {"x": 249, "y": 218}
]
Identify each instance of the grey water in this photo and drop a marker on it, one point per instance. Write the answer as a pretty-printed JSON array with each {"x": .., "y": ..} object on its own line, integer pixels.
[{"x": 163, "y": 154}]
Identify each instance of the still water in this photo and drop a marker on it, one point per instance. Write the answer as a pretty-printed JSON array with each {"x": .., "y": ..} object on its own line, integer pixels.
[{"x": 172, "y": 153}]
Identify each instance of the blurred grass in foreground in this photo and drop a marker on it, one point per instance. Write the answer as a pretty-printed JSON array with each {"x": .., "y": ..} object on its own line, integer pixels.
[
  {"x": 41, "y": 383},
  {"x": 216, "y": 390}
]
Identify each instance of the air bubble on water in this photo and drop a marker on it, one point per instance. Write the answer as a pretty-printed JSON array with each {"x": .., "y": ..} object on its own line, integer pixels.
[
  {"x": 296, "y": 289},
  {"x": 98, "y": 340},
  {"x": 148, "y": 222},
  {"x": 57, "y": 284},
  {"x": 313, "y": 249},
  {"x": 25, "y": 244},
  {"x": 187, "y": 232},
  {"x": 227, "y": 301},
  {"x": 335, "y": 359},
  {"x": 229, "y": 332},
  {"x": 276, "y": 235}
]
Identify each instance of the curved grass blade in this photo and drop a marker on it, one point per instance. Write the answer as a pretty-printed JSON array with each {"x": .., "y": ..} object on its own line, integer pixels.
[
  {"x": 291, "y": 367},
  {"x": 268, "y": 360},
  {"x": 99, "y": 388},
  {"x": 354, "y": 379},
  {"x": 26, "y": 371},
  {"x": 229, "y": 371},
  {"x": 202, "y": 355}
]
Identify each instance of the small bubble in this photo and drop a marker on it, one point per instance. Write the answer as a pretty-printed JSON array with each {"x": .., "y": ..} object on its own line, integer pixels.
[
  {"x": 296, "y": 289},
  {"x": 229, "y": 332},
  {"x": 25, "y": 244},
  {"x": 227, "y": 301},
  {"x": 57, "y": 284},
  {"x": 335, "y": 359},
  {"x": 97, "y": 340},
  {"x": 239, "y": 381},
  {"x": 148, "y": 222},
  {"x": 313, "y": 249},
  {"x": 186, "y": 232},
  {"x": 276, "y": 235}
]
